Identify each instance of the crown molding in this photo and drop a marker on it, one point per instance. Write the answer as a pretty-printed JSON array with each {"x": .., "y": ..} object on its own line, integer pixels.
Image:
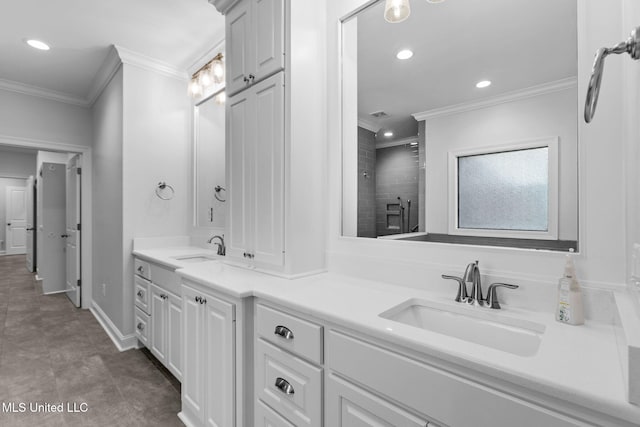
[
  {"x": 530, "y": 92},
  {"x": 402, "y": 141},
  {"x": 223, "y": 6},
  {"x": 148, "y": 63},
  {"x": 26, "y": 89},
  {"x": 370, "y": 126},
  {"x": 206, "y": 57},
  {"x": 107, "y": 70}
]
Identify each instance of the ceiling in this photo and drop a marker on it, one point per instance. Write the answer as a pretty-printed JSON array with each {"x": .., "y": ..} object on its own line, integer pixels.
[
  {"x": 516, "y": 44},
  {"x": 80, "y": 33}
]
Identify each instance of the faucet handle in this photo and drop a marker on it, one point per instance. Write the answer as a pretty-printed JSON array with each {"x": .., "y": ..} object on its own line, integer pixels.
[
  {"x": 492, "y": 296},
  {"x": 462, "y": 288}
]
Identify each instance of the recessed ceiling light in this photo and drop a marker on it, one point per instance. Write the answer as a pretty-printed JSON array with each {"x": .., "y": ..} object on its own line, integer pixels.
[
  {"x": 404, "y": 54},
  {"x": 388, "y": 134},
  {"x": 37, "y": 44},
  {"x": 435, "y": 1},
  {"x": 483, "y": 84}
]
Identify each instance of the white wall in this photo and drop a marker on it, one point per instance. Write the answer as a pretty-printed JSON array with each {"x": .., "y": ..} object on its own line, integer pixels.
[
  {"x": 156, "y": 147},
  {"x": 50, "y": 157},
  {"x": 107, "y": 201},
  {"x": 602, "y": 183},
  {"x": 548, "y": 115},
  {"x": 30, "y": 117},
  {"x": 16, "y": 164}
]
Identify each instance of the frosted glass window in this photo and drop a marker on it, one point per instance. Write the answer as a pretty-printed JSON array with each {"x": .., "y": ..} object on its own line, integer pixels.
[{"x": 506, "y": 190}]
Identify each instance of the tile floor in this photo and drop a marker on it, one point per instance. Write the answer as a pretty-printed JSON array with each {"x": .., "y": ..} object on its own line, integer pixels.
[{"x": 51, "y": 352}]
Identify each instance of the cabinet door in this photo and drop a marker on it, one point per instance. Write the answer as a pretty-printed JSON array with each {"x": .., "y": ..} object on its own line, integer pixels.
[
  {"x": 174, "y": 334},
  {"x": 158, "y": 314},
  {"x": 268, "y": 163},
  {"x": 240, "y": 153},
  {"x": 267, "y": 37},
  {"x": 192, "y": 354},
  {"x": 239, "y": 49},
  {"x": 351, "y": 406},
  {"x": 220, "y": 362}
]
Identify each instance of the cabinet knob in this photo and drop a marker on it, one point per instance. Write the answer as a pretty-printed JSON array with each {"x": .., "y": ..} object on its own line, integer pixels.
[
  {"x": 198, "y": 299},
  {"x": 203, "y": 300},
  {"x": 140, "y": 269},
  {"x": 246, "y": 79},
  {"x": 140, "y": 326},
  {"x": 252, "y": 77},
  {"x": 284, "y": 386},
  {"x": 283, "y": 332},
  {"x": 139, "y": 294}
]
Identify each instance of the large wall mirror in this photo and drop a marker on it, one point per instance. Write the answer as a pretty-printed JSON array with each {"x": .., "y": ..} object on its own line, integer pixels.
[
  {"x": 209, "y": 163},
  {"x": 460, "y": 123}
]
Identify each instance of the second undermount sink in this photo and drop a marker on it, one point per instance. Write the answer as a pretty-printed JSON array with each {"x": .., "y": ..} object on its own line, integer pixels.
[
  {"x": 477, "y": 325},
  {"x": 195, "y": 258}
]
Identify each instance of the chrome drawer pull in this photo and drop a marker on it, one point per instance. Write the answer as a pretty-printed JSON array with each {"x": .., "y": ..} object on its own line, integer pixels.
[
  {"x": 284, "y": 332},
  {"x": 284, "y": 386},
  {"x": 140, "y": 294}
]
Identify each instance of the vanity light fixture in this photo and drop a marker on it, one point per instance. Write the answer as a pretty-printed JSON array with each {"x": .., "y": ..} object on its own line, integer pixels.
[
  {"x": 482, "y": 84},
  {"x": 388, "y": 134},
  {"x": 396, "y": 10},
  {"x": 404, "y": 54},
  {"x": 209, "y": 74},
  {"x": 37, "y": 44}
]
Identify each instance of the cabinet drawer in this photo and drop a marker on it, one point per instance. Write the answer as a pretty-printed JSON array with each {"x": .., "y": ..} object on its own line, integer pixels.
[
  {"x": 289, "y": 332},
  {"x": 291, "y": 386},
  {"x": 142, "y": 268},
  {"x": 267, "y": 417},
  {"x": 165, "y": 278},
  {"x": 432, "y": 391},
  {"x": 142, "y": 325},
  {"x": 142, "y": 293}
]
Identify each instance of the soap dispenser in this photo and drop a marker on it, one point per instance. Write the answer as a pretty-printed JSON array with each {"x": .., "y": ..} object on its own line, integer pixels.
[{"x": 569, "y": 309}]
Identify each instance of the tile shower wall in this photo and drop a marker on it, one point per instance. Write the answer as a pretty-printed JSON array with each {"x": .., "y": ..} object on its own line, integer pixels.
[
  {"x": 366, "y": 183},
  {"x": 396, "y": 176}
]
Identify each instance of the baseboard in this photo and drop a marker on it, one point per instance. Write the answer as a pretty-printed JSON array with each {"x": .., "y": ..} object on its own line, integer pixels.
[{"x": 122, "y": 342}]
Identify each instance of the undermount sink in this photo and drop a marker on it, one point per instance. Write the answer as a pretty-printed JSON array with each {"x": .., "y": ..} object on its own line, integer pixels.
[
  {"x": 473, "y": 324},
  {"x": 195, "y": 258}
]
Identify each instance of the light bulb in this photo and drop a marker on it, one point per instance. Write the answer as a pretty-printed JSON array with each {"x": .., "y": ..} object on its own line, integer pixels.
[
  {"x": 217, "y": 69},
  {"x": 396, "y": 10},
  {"x": 206, "y": 77},
  {"x": 221, "y": 98},
  {"x": 195, "y": 89}
]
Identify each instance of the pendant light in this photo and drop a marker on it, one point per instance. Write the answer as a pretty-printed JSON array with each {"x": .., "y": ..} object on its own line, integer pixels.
[{"x": 396, "y": 10}]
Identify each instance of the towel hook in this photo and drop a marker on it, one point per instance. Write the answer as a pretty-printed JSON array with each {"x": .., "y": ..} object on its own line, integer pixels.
[
  {"x": 218, "y": 189},
  {"x": 630, "y": 46},
  {"x": 162, "y": 193}
]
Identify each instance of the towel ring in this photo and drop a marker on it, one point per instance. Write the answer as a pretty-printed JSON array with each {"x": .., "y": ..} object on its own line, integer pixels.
[
  {"x": 630, "y": 46},
  {"x": 164, "y": 191},
  {"x": 217, "y": 190}
]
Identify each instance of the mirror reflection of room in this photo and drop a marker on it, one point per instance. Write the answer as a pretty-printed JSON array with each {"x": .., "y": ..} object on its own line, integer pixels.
[{"x": 458, "y": 81}]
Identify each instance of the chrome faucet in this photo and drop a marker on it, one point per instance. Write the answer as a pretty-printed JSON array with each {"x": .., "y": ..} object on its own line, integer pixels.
[
  {"x": 472, "y": 275},
  {"x": 222, "y": 249}
]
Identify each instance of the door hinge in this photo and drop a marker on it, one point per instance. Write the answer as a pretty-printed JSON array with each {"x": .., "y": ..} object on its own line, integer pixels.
[
  {"x": 79, "y": 283},
  {"x": 78, "y": 227},
  {"x": 79, "y": 171}
]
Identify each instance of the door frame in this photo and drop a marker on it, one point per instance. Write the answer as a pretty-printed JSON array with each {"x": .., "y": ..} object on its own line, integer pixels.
[{"x": 86, "y": 202}]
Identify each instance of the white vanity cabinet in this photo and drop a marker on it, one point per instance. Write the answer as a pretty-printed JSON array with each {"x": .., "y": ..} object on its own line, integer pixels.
[
  {"x": 288, "y": 374},
  {"x": 255, "y": 135},
  {"x": 158, "y": 320},
  {"x": 208, "y": 385},
  {"x": 255, "y": 42},
  {"x": 166, "y": 311}
]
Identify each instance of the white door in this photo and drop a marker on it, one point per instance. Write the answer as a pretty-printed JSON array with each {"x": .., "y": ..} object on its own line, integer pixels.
[
  {"x": 73, "y": 230},
  {"x": 16, "y": 217},
  {"x": 30, "y": 246},
  {"x": 237, "y": 40}
]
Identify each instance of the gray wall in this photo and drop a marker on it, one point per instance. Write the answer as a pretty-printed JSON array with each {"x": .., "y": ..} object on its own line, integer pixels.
[
  {"x": 366, "y": 185},
  {"x": 396, "y": 176}
]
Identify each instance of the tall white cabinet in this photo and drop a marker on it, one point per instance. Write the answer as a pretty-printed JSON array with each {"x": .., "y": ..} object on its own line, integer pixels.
[{"x": 256, "y": 179}]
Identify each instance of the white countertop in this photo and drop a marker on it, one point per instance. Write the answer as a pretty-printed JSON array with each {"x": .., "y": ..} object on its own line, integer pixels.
[
  {"x": 173, "y": 257},
  {"x": 578, "y": 364}
]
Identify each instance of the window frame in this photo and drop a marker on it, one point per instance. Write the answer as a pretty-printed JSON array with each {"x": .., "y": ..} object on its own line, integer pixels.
[{"x": 552, "y": 144}]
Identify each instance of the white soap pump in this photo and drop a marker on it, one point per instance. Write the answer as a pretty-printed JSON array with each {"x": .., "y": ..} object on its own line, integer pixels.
[{"x": 570, "y": 309}]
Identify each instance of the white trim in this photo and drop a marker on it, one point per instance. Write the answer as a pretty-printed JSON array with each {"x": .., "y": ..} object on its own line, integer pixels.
[
  {"x": 553, "y": 183},
  {"x": 122, "y": 342},
  {"x": 2, "y": 253},
  {"x": 148, "y": 63},
  {"x": 402, "y": 141},
  {"x": 370, "y": 126},
  {"x": 530, "y": 92},
  {"x": 107, "y": 70},
  {"x": 223, "y": 6},
  {"x": 31, "y": 90}
]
